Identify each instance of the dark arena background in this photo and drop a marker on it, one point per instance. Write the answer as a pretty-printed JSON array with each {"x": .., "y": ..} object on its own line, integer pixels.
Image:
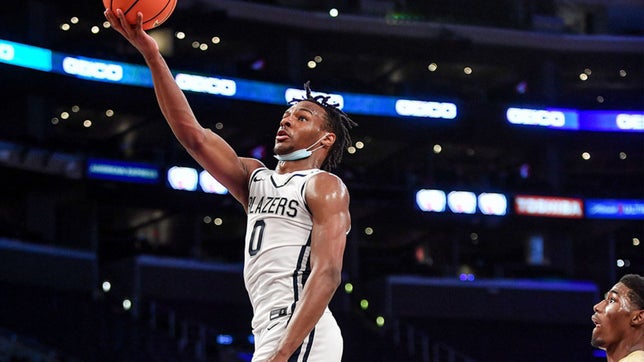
[{"x": 496, "y": 176}]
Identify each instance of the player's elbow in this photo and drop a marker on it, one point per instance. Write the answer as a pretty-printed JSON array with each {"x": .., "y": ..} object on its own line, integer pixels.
[
  {"x": 193, "y": 139},
  {"x": 333, "y": 275}
]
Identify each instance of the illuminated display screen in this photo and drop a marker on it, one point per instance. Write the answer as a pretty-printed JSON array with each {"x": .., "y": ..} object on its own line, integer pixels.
[
  {"x": 461, "y": 202},
  {"x": 189, "y": 179},
  {"x": 549, "y": 206},
  {"x": 183, "y": 178},
  {"x": 122, "y": 171},
  {"x": 241, "y": 89},
  {"x": 493, "y": 204},
  {"x": 431, "y": 200},
  {"x": 210, "y": 185},
  {"x": 570, "y": 119},
  {"x": 138, "y": 75},
  {"x": 614, "y": 209},
  {"x": 25, "y": 56}
]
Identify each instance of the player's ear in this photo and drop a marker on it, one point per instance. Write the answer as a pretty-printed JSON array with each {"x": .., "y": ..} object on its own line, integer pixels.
[
  {"x": 329, "y": 139},
  {"x": 638, "y": 318}
]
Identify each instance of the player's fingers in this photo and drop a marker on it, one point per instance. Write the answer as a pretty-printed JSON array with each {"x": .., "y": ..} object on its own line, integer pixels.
[
  {"x": 114, "y": 21},
  {"x": 109, "y": 15},
  {"x": 139, "y": 19},
  {"x": 125, "y": 27}
]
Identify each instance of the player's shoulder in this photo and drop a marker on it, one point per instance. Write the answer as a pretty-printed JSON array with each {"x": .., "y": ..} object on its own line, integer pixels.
[
  {"x": 252, "y": 165},
  {"x": 326, "y": 179}
]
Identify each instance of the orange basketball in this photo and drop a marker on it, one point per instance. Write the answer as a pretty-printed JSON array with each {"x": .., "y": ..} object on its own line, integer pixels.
[{"x": 155, "y": 12}]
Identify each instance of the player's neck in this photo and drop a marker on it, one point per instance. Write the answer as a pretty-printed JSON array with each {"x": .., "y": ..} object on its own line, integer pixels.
[
  {"x": 298, "y": 165},
  {"x": 623, "y": 349}
]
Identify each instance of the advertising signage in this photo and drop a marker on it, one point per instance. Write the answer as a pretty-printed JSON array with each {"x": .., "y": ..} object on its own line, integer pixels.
[
  {"x": 101, "y": 70},
  {"x": 461, "y": 202},
  {"x": 115, "y": 170},
  {"x": 614, "y": 209},
  {"x": 548, "y": 206},
  {"x": 574, "y": 120}
]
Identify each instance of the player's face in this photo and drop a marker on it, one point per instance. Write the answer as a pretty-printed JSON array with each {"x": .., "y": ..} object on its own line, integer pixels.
[
  {"x": 301, "y": 125},
  {"x": 612, "y": 317}
]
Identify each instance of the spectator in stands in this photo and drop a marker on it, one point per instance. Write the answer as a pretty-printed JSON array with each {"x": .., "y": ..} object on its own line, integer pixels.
[
  {"x": 619, "y": 321},
  {"x": 298, "y": 214}
]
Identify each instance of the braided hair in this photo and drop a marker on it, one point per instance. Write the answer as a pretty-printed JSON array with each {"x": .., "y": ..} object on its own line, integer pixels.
[{"x": 337, "y": 122}]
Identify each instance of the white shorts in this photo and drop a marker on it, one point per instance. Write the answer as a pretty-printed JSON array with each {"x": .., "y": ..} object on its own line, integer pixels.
[{"x": 323, "y": 344}]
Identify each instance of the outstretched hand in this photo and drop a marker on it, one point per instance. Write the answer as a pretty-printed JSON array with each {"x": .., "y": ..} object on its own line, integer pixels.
[{"x": 135, "y": 34}]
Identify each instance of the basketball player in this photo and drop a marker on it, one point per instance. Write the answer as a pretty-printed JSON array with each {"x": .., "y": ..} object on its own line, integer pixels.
[
  {"x": 619, "y": 321},
  {"x": 298, "y": 214}
]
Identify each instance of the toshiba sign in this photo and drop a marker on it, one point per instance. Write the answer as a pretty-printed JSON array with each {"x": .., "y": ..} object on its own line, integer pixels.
[{"x": 549, "y": 206}]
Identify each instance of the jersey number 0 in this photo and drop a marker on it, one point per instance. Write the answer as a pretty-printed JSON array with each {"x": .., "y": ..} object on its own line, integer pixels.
[{"x": 255, "y": 242}]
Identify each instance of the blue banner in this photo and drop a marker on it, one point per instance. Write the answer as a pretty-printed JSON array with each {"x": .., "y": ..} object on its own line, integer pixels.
[
  {"x": 114, "y": 170},
  {"x": 614, "y": 209}
]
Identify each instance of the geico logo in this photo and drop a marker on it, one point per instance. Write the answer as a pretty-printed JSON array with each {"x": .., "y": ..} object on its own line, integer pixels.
[
  {"x": 91, "y": 69},
  {"x": 406, "y": 107},
  {"x": 630, "y": 121},
  {"x": 195, "y": 83},
  {"x": 7, "y": 52},
  {"x": 292, "y": 93},
  {"x": 536, "y": 117}
]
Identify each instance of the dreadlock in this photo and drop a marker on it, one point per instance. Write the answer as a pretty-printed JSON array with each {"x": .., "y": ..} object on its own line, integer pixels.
[{"x": 337, "y": 122}]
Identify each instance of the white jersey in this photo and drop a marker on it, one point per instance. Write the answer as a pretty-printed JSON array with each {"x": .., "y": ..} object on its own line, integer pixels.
[{"x": 277, "y": 251}]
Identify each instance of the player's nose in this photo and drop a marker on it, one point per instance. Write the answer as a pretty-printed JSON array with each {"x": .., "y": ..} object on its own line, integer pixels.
[{"x": 286, "y": 121}]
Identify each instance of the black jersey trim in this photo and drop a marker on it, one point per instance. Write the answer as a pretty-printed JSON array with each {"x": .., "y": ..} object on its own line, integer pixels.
[
  {"x": 305, "y": 267},
  {"x": 287, "y": 181},
  {"x": 253, "y": 175},
  {"x": 307, "y": 351}
]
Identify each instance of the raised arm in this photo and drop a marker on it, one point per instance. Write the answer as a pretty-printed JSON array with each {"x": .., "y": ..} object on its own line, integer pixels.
[
  {"x": 328, "y": 200},
  {"x": 211, "y": 151}
]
